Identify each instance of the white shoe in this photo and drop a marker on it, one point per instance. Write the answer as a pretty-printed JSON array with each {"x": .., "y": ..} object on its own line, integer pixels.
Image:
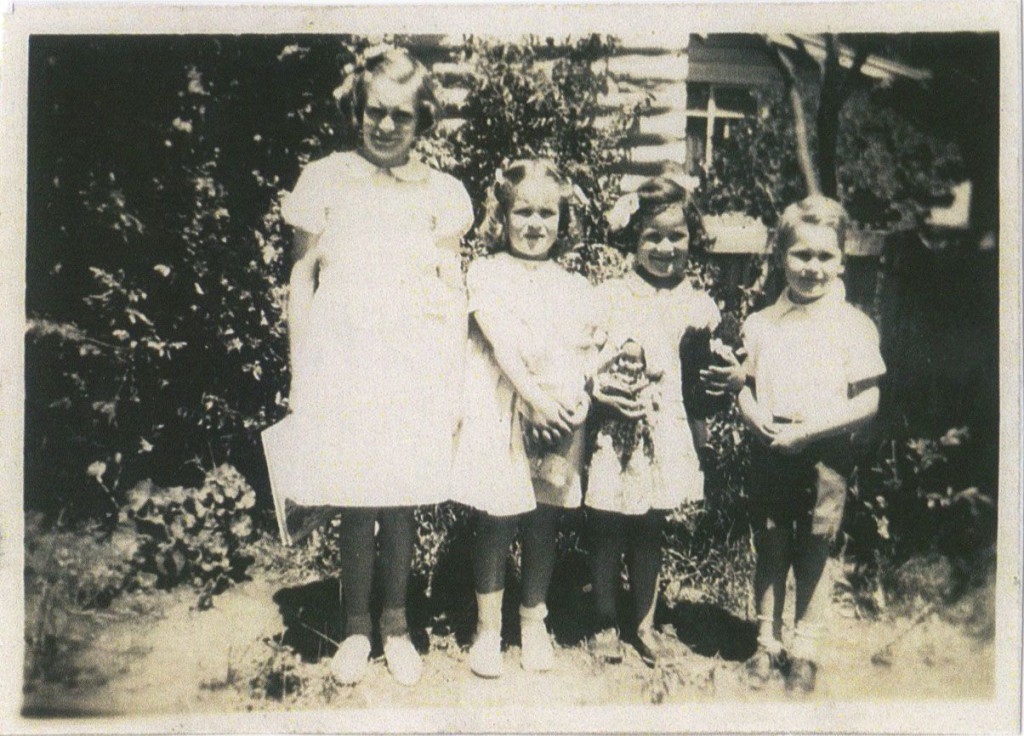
[
  {"x": 485, "y": 655},
  {"x": 349, "y": 663},
  {"x": 538, "y": 655},
  {"x": 403, "y": 660}
]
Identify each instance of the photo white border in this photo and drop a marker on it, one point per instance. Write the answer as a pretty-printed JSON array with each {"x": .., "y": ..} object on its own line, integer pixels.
[{"x": 1002, "y": 714}]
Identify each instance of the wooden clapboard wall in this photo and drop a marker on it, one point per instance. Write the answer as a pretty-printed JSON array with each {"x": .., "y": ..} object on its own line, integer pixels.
[
  {"x": 655, "y": 67},
  {"x": 638, "y": 69}
]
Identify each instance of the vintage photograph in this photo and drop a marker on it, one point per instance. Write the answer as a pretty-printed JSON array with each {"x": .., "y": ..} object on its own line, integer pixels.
[{"x": 634, "y": 366}]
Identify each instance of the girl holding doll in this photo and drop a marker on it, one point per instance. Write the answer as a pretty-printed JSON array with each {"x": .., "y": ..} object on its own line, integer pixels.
[
  {"x": 533, "y": 338},
  {"x": 644, "y": 461},
  {"x": 376, "y": 322}
]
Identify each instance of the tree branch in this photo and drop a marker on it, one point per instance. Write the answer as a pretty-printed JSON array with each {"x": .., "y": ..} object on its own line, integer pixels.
[{"x": 803, "y": 147}]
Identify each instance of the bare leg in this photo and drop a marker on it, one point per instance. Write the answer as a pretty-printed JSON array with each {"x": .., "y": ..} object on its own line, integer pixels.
[{"x": 773, "y": 547}]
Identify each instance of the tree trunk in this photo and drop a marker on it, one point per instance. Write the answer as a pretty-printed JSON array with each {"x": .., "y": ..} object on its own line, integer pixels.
[
  {"x": 836, "y": 85},
  {"x": 803, "y": 146}
]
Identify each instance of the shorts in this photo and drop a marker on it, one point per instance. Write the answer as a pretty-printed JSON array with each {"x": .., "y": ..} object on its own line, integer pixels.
[{"x": 805, "y": 491}]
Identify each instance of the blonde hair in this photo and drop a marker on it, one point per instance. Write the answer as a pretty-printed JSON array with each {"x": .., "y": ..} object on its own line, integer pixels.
[
  {"x": 816, "y": 209},
  {"x": 398, "y": 65},
  {"x": 493, "y": 231}
]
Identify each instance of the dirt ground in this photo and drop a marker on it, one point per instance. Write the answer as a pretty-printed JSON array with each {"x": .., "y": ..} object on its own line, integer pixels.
[{"x": 177, "y": 660}]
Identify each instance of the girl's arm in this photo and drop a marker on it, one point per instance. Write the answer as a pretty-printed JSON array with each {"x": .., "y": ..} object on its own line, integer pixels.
[
  {"x": 546, "y": 411},
  {"x": 855, "y": 413},
  {"x": 303, "y": 241},
  {"x": 301, "y": 286}
]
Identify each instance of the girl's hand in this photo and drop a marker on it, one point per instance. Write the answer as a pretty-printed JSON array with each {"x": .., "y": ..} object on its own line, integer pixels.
[
  {"x": 790, "y": 439},
  {"x": 631, "y": 408},
  {"x": 552, "y": 420},
  {"x": 719, "y": 380}
]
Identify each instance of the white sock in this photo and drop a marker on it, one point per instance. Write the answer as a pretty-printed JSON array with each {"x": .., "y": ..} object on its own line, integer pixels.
[
  {"x": 488, "y": 611},
  {"x": 805, "y": 641}
]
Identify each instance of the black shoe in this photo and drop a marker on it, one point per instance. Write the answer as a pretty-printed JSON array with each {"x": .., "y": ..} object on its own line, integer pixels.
[
  {"x": 801, "y": 676},
  {"x": 763, "y": 666}
]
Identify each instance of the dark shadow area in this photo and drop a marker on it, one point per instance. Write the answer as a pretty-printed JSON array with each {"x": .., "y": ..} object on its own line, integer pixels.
[
  {"x": 709, "y": 630},
  {"x": 311, "y": 615},
  {"x": 570, "y": 603}
]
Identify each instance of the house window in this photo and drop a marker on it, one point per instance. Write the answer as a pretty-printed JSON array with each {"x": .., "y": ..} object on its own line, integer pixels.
[{"x": 711, "y": 112}]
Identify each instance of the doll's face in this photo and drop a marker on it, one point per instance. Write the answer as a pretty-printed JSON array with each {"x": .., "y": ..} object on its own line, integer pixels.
[
  {"x": 664, "y": 244},
  {"x": 533, "y": 218},
  {"x": 813, "y": 262},
  {"x": 389, "y": 122}
]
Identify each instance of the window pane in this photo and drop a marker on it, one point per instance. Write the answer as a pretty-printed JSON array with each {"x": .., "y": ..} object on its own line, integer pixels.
[
  {"x": 697, "y": 96},
  {"x": 696, "y": 139},
  {"x": 735, "y": 99}
]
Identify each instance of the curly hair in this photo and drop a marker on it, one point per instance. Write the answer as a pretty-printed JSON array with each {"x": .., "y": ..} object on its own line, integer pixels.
[
  {"x": 492, "y": 230},
  {"x": 398, "y": 65},
  {"x": 816, "y": 209},
  {"x": 655, "y": 196}
]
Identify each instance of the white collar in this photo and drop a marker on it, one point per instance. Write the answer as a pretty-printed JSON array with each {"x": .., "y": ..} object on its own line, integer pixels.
[
  {"x": 642, "y": 288},
  {"x": 833, "y": 297},
  {"x": 359, "y": 168}
]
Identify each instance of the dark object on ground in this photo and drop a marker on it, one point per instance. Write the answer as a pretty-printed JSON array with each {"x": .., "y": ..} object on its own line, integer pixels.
[
  {"x": 801, "y": 676},
  {"x": 709, "y": 630}
]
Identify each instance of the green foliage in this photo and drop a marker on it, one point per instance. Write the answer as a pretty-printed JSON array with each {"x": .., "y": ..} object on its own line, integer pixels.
[
  {"x": 889, "y": 173},
  {"x": 176, "y": 535},
  {"x": 539, "y": 100},
  {"x": 157, "y": 258},
  {"x": 914, "y": 501}
]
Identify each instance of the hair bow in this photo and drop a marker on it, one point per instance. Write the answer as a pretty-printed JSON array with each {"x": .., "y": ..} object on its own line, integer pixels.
[{"x": 622, "y": 211}]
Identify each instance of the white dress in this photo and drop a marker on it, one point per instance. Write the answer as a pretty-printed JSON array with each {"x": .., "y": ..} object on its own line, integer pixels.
[
  {"x": 657, "y": 319},
  {"x": 553, "y": 317},
  {"x": 377, "y": 376}
]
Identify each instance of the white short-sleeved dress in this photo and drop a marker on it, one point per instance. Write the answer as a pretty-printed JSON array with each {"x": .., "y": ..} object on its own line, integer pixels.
[
  {"x": 555, "y": 324},
  {"x": 657, "y": 319},
  {"x": 377, "y": 377}
]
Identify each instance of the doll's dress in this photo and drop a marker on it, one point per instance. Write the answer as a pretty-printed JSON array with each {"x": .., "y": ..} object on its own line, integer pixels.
[{"x": 657, "y": 319}]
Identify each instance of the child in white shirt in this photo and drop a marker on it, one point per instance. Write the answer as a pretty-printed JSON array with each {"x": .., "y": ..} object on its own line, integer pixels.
[{"x": 813, "y": 367}]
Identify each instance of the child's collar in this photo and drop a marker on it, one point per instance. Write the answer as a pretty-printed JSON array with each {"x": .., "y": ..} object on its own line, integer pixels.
[
  {"x": 835, "y": 295},
  {"x": 412, "y": 171},
  {"x": 641, "y": 287}
]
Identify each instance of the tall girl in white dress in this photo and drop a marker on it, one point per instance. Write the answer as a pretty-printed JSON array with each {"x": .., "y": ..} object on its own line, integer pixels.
[
  {"x": 533, "y": 338},
  {"x": 377, "y": 327}
]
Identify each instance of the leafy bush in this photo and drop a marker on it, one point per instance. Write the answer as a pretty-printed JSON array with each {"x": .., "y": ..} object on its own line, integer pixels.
[
  {"x": 176, "y": 535},
  {"x": 157, "y": 262},
  {"x": 890, "y": 173},
  {"x": 915, "y": 500}
]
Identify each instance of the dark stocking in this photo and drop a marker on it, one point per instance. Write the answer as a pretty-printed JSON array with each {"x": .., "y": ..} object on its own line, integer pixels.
[
  {"x": 539, "y": 535},
  {"x": 397, "y": 541},
  {"x": 357, "y": 555},
  {"x": 606, "y": 535},
  {"x": 644, "y": 559}
]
